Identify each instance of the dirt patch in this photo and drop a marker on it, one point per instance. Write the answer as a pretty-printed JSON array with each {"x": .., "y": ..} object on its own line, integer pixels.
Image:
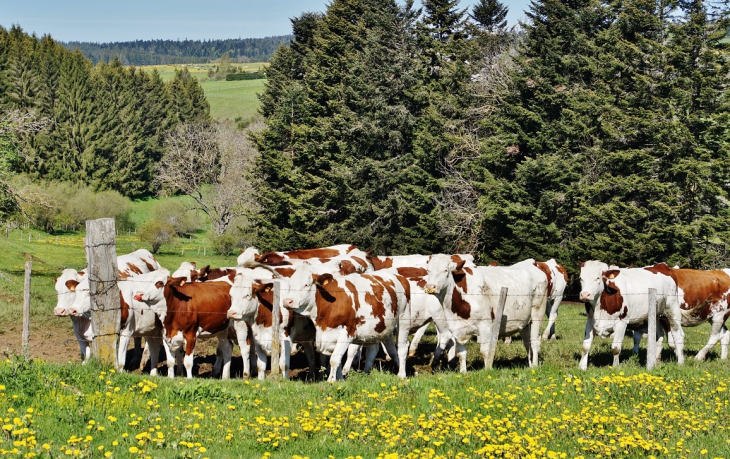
[{"x": 53, "y": 344}]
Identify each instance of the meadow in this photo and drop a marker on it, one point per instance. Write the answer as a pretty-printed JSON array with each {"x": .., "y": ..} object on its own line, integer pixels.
[
  {"x": 54, "y": 407},
  {"x": 228, "y": 99}
]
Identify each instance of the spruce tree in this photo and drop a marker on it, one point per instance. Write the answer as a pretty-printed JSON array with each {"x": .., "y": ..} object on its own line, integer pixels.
[{"x": 490, "y": 16}]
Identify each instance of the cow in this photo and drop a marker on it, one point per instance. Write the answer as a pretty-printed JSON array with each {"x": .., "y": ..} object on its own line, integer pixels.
[
  {"x": 470, "y": 296},
  {"x": 195, "y": 311},
  {"x": 139, "y": 319},
  {"x": 348, "y": 258},
  {"x": 625, "y": 303},
  {"x": 247, "y": 256},
  {"x": 590, "y": 294},
  {"x": 138, "y": 262},
  {"x": 357, "y": 308},
  {"x": 187, "y": 269},
  {"x": 557, "y": 280},
  {"x": 252, "y": 303},
  {"x": 420, "y": 261},
  {"x": 703, "y": 297},
  {"x": 424, "y": 309}
]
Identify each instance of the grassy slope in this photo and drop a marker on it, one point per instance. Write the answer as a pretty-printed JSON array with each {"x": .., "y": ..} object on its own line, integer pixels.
[
  {"x": 554, "y": 406},
  {"x": 228, "y": 99}
]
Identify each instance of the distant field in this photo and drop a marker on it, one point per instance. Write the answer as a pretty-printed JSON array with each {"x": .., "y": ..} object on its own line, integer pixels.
[{"x": 228, "y": 99}]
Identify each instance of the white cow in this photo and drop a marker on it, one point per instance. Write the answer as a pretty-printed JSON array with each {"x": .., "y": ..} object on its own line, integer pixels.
[
  {"x": 357, "y": 308},
  {"x": 138, "y": 262},
  {"x": 590, "y": 293},
  {"x": 251, "y": 306},
  {"x": 625, "y": 303},
  {"x": 470, "y": 297}
]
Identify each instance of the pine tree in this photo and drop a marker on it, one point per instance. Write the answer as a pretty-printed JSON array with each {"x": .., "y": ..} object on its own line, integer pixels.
[{"x": 490, "y": 16}]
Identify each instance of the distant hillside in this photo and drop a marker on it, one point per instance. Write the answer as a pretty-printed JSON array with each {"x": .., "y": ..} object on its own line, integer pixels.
[{"x": 161, "y": 52}]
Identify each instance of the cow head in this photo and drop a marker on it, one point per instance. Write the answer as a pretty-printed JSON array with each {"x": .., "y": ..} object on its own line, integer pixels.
[
  {"x": 81, "y": 306},
  {"x": 440, "y": 267},
  {"x": 66, "y": 291},
  {"x": 243, "y": 294},
  {"x": 612, "y": 307},
  {"x": 247, "y": 255},
  {"x": 187, "y": 269},
  {"x": 299, "y": 293},
  {"x": 591, "y": 284},
  {"x": 149, "y": 291}
]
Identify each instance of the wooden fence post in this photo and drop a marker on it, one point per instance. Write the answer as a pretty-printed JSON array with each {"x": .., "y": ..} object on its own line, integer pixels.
[
  {"x": 651, "y": 350},
  {"x": 275, "y": 320},
  {"x": 101, "y": 253},
  {"x": 26, "y": 309},
  {"x": 496, "y": 326}
]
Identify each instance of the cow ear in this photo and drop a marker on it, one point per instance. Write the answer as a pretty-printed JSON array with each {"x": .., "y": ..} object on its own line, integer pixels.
[
  {"x": 458, "y": 266},
  {"x": 582, "y": 263},
  {"x": 494, "y": 263},
  {"x": 610, "y": 274},
  {"x": 177, "y": 281},
  {"x": 323, "y": 279},
  {"x": 71, "y": 285}
]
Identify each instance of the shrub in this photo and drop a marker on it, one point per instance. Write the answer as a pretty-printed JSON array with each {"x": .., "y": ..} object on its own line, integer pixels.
[
  {"x": 174, "y": 213},
  {"x": 157, "y": 233},
  {"x": 225, "y": 244},
  {"x": 245, "y": 76}
]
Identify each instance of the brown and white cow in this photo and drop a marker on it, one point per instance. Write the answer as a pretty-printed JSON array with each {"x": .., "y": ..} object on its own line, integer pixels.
[
  {"x": 195, "y": 311},
  {"x": 348, "y": 258},
  {"x": 357, "y": 308},
  {"x": 470, "y": 297},
  {"x": 252, "y": 300},
  {"x": 557, "y": 281},
  {"x": 138, "y": 262},
  {"x": 625, "y": 303},
  {"x": 591, "y": 290},
  {"x": 703, "y": 297}
]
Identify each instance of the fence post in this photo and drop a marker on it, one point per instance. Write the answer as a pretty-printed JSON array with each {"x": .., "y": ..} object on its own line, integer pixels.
[
  {"x": 26, "y": 309},
  {"x": 101, "y": 253},
  {"x": 496, "y": 326},
  {"x": 651, "y": 350},
  {"x": 275, "y": 320}
]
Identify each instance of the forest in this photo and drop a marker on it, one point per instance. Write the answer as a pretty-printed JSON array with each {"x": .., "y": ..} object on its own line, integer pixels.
[
  {"x": 594, "y": 129},
  {"x": 169, "y": 52}
]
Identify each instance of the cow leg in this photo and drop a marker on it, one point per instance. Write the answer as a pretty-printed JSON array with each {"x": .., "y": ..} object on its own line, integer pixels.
[
  {"x": 588, "y": 339},
  {"x": 309, "y": 352},
  {"x": 675, "y": 325},
  {"x": 451, "y": 348},
  {"x": 461, "y": 352},
  {"x": 225, "y": 349},
  {"x": 637, "y": 340},
  {"x": 724, "y": 341},
  {"x": 619, "y": 331},
  {"x": 371, "y": 352},
  {"x": 715, "y": 335},
  {"x": 416, "y": 339},
  {"x": 552, "y": 313},
  {"x": 444, "y": 338},
  {"x": 525, "y": 335},
  {"x": 484, "y": 337},
  {"x": 284, "y": 358},
  {"x": 124, "y": 338},
  {"x": 153, "y": 347},
  {"x": 353, "y": 353},
  {"x": 341, "y": 347},
  {"x": 189, "y": 354},
  {"x": 169, "y": 356},
  {"x": 260, "y": 361},
  {"x": 242, "y": 334},
  {"x": 399, "y": 361}
]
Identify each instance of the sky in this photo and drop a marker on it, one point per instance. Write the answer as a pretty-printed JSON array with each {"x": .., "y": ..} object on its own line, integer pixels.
[{"x": 124, "y": 20}]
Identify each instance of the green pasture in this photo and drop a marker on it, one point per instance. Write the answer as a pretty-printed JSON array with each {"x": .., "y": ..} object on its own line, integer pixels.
[
  {"x": 228, "y": 99},
  {"x": 555, "y": 410}
]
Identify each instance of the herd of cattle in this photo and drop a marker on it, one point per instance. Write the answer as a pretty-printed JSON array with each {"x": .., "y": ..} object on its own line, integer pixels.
[{"x": 340, "y": 300}]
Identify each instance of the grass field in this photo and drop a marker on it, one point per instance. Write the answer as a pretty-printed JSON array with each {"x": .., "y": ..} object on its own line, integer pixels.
[
  {"x": 511, "y": 411},
  {"x": 228, "y": 99}
]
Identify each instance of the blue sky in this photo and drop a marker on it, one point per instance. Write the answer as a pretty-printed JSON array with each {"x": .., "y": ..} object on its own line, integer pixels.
[{"x": 123, "y": 20}]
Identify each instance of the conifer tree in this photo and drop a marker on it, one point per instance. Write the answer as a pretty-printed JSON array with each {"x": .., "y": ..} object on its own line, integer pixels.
[{"x": 490, "y": 16}]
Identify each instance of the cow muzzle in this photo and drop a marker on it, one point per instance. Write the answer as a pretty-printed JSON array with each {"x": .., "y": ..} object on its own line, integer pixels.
[
  {"x": 430, "y": 289},
  {"x": 288, "y": 303},
  {"x": 232, "y": 314},
  {"x": 73, "y": 312},
  {"x": 60, "y": 312},
  {"x": 586, "y": 296},
  {"x": 138, "y": 296}
]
